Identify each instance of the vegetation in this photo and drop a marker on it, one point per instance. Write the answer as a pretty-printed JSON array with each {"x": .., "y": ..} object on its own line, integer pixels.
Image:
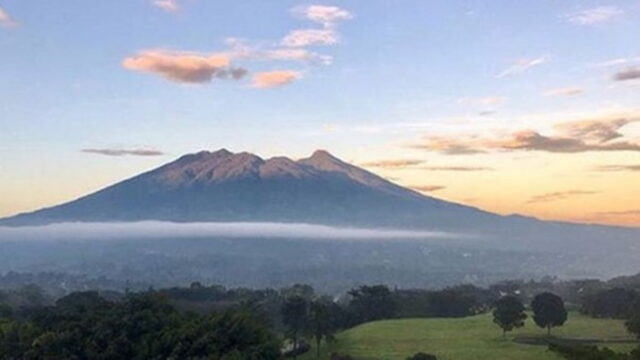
[
  {"x": 548, "y": 311},
  {"x": 86, "y": 326},
  {"x": 583, "y": 352},
  {"x": 473, "y": 338},
  {"x": 616, "y": 303},
  {"x": 509, "y": 314},
  {"x": 203, "y": 321},
  {"x": 422, "y": 356}
]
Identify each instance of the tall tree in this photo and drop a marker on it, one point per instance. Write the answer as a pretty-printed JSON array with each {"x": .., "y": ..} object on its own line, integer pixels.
[
  {"x": 295, "y": 312},
  {"x": 369, "y": 303},
  {"x": 509, "y": 314},
  {"x": 633, "y": 324},
  {"x": 548, "y": 311},
  {"x": 323, "y": 321}
]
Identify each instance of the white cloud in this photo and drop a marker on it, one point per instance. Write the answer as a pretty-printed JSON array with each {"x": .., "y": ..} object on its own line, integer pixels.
[
  {"x": 483, "y": 101},
  {"x": 298, "y": 55},
  {"x": 162, "y": 230},
  {"x": 167, "y": 5},
  {"x": 523, "y": 65},
  {"x": 595, "y": 16},
  {"x": 325, "y": 15},
  {"x": 6, "y": 20},
  {"x": 239, "y": 49},
  {"x": 307, "y": 37}
]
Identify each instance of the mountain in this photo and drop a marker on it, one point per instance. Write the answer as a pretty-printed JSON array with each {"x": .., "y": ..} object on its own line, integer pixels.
[
  {"x": 240, "y": 187},
  {"x": 226, "y": 186}
]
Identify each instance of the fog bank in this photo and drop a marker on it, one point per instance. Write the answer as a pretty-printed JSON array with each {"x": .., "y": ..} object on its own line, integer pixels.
[{"x": 163, "y": 230}]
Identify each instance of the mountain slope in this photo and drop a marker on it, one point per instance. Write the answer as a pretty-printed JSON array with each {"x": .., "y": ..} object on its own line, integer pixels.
[{"x": 223, "y": 186}]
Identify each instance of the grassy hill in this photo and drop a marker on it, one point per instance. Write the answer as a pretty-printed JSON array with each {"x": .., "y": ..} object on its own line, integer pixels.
[{"x": 473, "y": 338}]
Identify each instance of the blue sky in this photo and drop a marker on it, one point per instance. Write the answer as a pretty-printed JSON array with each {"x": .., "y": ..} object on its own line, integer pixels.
[{"x": 80, "y": 74}]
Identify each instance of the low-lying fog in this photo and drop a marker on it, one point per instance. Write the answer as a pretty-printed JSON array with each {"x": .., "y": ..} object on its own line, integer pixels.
[{"x": 159, "y": 229}]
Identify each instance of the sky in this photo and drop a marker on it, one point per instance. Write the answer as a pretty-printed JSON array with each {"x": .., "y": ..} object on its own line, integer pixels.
[{"x": 529, "y": 107}]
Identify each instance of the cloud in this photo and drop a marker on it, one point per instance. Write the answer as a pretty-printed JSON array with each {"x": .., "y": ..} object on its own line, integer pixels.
[
  {"x": 615, "y": 62},
  {"x": 595, "y": 16},
  {"x": 240, "y": 49},
  {"x": 325, "y": 15},
  {"x": 618, "y": 168},
  {"x": 632, "y": 73},
  {"x": 6, "y": 20},
  {"x": 600, "y": 131},
  {"x": 560, "y": 195},
  {"x": 124, "y": 152},
  {"x": 162, "y": 230},
  {"x": 270, "y": 79},
  {"x": 570, "y": 91},
  {"x": 308, "y": 37},
  {"x": 303, "y": 55},
  {"x": 523, "y": 65},
  {"x": 632, "y": 212},
  {"x": 428, "y": 188},
  {"x": 394, "y": 164},
  {"x": 572, "y": 137},
  {"x": 328, "y": 16},
  {"x": 457, "y": 168},
  {"x": 167, "y": 5},
  {"x": 483, "y": 101},
  {"x": 184, "y": 67}
]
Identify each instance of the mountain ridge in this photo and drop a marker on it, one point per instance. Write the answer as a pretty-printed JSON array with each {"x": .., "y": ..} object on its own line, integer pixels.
[{"x": 179, "y": 190}]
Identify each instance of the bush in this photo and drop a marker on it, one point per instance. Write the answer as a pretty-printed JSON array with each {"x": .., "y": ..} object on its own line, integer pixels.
[{"x": 422, "y": 356}]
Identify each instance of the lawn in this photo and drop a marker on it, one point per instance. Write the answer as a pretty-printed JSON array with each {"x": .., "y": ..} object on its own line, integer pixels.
[{"x": 472, "y": 338}]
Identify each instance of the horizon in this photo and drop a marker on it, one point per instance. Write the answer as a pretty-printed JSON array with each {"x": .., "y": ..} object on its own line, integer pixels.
[{"x": 508, "y": 107}]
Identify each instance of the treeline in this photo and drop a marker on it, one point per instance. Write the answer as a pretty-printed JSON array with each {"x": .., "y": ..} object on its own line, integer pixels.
[
  {"x": 143, "y": 326},
  {"x": 185, "y": 322}
]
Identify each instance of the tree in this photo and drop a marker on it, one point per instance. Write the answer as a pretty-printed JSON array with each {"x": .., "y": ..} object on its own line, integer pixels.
[
  {"x": 323, "y": 321},
  {"x": 633, "y": 324},
  {"x": 369, "y": 303},
  {"x": 422, "y": 356},
  {"x": 613, "y": 303},
  {"x": 509, "y": 314},
  {"x": 294, "y": 316},
  {"x": 548, "y": 311}
]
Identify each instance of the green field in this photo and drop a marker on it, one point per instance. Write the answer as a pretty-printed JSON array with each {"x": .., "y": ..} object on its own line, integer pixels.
[{"x": 473, "y": 338}]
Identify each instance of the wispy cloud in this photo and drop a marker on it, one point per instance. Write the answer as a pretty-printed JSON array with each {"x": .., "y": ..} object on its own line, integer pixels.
[
  {"x": 328, "y": 16},
  {"x": 569, "y": 91},
  {"x": 618, "y": 168},
  {"x": 457, "y": 168},
  {"x": 123, "y": 152},
  {"x": 632, "y": 73},
  {"x": 241, "y": 49},
  {"x": 616, "y": 62},
  {"x": 633, "y": 212},
  {"x": 595, "y": 16},
  {"x": 308, "y": 37},
  {"x": 560, "y": 195},
  {"x": 571, "y": 137},
  {"x": 394, "y": 164},
  {"x": 167, "y": 5},
  {"x": 523, "y": 65},
  {"x": 428, "y": 188},
  {"x": 162, "y": 230},
  {"x": 276, "y": 78},
  {"x": 483, "y": 101},
  {"x": 185, "y": 67},
  {"x": 6, "y": 20}
]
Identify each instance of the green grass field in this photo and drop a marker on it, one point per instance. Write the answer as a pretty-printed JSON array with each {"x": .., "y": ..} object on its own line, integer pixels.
[{"x": 473, "y": 338}]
